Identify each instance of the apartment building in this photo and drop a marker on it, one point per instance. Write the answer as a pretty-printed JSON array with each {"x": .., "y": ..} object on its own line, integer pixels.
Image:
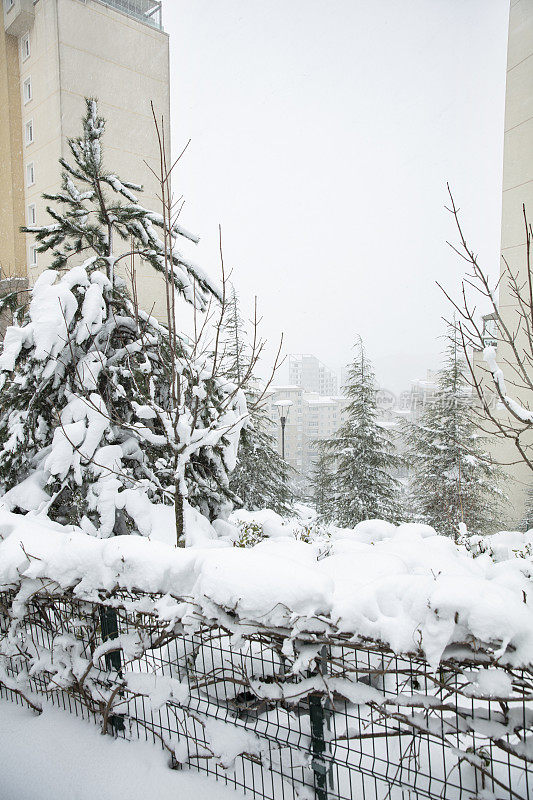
[
  {"x": 323, "y": 416},
  {"x": 310, "y": 417},
  {"x": 53, "y": 54},
  {"x": 517, "y": 191},
  {"x": 293, "y": 396},
  {"x": 312, "y": 375},
  {"x": 422, "y": 393}
]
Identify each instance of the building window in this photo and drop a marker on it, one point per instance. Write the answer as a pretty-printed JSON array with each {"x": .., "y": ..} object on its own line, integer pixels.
[
  {"x": 26, "y": 90},
  {"x": 30, "y": 174},
  {"x": 28, "y": 128},
  {"x": 33, "y": 255},
  {"x": 32, "y": 214},
  {"x": 25, "y": 46}
]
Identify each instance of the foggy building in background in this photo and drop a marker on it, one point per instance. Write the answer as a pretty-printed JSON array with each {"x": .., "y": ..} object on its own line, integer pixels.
[
  {"x": 311, "y": 417},
  {"x": 422, "y": 393},
  {"x": 53, "y": 54},
  {"x": 315, "y": 414},
  {"x": 312, "y": 375}
]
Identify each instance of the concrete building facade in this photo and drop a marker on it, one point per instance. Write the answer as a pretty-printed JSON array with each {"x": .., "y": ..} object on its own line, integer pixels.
[
  {"x": 311, "y": 417},
  {"x": 517, "y": 191},
  {"x": 53, "y": 54},
  {"x": 518, "y": 138},
  {"x": 421, "y": 394},
  {"x": 312, "y": 375}
]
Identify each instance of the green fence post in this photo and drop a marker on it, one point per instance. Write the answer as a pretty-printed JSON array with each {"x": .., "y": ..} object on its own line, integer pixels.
[
  {"x": 319, "y": 716},
  {"x": 113, "y": 661},
  {"x": 318, "y": 746}
]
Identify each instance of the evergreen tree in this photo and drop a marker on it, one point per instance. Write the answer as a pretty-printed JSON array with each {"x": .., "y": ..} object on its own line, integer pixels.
[
  {"x": 453, "y": 479},
  {"x": 356, "y": 480},
  {"x": 261, "y": 477},
  {"x": 96, "y": 207},
  {"x": 93, "y": 430},
  {"x": 322, "y": 484},
  {"x": 527, "y": 522}
]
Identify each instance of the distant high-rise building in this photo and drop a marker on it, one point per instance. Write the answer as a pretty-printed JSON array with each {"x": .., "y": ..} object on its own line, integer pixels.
[
  {"x": 312, "y": 375},
  {"x": 422, "y": 394},
  {"x": 311, "y": 417},
  {"x": 53, "y": 54}
]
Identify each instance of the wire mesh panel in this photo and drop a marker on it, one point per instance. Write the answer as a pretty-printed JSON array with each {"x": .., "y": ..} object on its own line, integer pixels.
[
  {"x": 424, "y": 733},
  {"x": 330, "y": 719}
]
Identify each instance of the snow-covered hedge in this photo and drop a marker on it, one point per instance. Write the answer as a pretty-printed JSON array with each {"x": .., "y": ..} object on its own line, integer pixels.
[
  {"x": 406, "y": 587},
  {"x": 399, "y": 631}
]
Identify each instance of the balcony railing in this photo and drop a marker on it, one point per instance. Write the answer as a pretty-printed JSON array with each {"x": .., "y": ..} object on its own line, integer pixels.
[{"x": 148, "y": 11}]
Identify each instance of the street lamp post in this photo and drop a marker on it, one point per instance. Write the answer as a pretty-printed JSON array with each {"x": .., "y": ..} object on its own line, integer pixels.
[{"x": 283, "y": 407}]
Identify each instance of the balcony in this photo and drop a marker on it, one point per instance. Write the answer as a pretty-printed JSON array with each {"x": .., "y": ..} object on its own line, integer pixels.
[
  {"x": 18, "y": 16},
  {"x": 148, "y": 11}
]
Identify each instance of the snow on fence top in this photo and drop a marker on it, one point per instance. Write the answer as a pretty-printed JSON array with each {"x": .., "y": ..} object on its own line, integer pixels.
[{"x": 406, "y": 587}]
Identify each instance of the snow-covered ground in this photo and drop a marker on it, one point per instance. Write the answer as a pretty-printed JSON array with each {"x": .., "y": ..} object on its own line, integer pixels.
[{"x": 55, "y": 756}]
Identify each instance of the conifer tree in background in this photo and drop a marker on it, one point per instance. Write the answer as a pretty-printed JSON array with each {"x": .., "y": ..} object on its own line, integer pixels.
[
  {"x": 453, "y": 479},
  {"x": 322, "y": 485},
  {"x": 94, "y": 429},
  {"x": 261, "y": 477},
  {"x": 360, "y": 458},
  {"x": 527, "y": 522}
]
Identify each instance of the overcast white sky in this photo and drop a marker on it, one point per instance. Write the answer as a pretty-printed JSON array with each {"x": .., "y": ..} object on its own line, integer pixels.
[{"x": 323, "y": 133}]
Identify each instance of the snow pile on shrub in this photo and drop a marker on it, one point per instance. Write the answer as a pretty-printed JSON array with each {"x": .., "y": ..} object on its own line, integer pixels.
[
  {"x": 251, "y": 527},
  {"x": 75, "y": 444},
  {"x": 406, "y": 587},
  {"x": 503, "y": 545}
]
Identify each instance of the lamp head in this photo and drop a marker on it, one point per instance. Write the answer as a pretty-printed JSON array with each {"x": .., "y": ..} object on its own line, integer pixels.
[{"x": 283, "y": 407}]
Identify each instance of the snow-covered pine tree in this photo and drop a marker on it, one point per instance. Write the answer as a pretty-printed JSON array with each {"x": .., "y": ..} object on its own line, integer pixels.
[
  {"x": 527, "y": 521},
  {"x": 453, "y": 479},
  {"x": 361, "y": 457},
  {"x": 322, "y": 485},
  {"x": 96, "y": 207},
  {"x": 90, "y": 432},
  {"x": 261, "y": 477}
]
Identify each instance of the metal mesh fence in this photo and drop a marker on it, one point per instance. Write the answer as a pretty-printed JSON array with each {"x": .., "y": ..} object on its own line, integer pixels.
[{"x": 332, "y": 720}]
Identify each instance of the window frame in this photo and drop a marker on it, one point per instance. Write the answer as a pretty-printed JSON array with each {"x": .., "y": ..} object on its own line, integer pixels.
[
  {"x": 25, "y": 47},
  {"x": 29, "y": 129},
  {"x": 30, "y": 166},
  {"x": 31, "y": 214},
  {"x": 27, "y": 90},
  {"x": 32, "y": 259}
]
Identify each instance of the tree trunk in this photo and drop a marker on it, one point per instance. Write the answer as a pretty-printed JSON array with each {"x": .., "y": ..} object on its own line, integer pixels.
[{"x": 180, "y": 518}]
